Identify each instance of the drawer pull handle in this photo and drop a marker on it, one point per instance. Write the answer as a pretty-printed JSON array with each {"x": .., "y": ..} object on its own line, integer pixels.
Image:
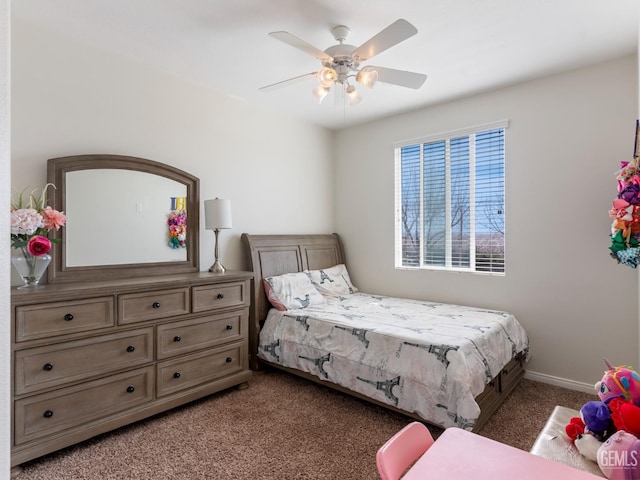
[
  {"x": 131, "y": 348},
  {"x": 47, "y": 367},
  {"x": 156, "y": 305},
  {"x": 505, "y": 372},
  {"x": 229, "y": 360},
  {"x": 176, "y": 375},
  {"x": 220, "y": 296},
  {"x": 47, "y": 414},
  {"x": 177, "y": 338},
  {"x": 130, "y": 389},
  {"x": 229, "y": 327},
  {"x": 68, "y": 317}
]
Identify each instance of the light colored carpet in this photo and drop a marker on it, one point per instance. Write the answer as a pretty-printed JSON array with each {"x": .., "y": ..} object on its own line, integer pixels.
[{"x": 281, "y": 427}]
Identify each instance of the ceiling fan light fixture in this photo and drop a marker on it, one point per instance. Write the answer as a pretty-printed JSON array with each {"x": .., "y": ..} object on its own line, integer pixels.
[
  {"x": 353, "y": 96},
  {"x": 327, "y": 76},
  {"x": 319, "y": 93},
  {"x": 367, "y": 77}
]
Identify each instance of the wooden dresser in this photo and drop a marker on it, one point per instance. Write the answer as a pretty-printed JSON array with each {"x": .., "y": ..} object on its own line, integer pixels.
[{"x": 90, "y": 357}]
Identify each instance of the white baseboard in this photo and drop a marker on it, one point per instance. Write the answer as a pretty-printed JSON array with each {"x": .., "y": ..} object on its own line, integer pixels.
[{"x": 560, "y": 382}]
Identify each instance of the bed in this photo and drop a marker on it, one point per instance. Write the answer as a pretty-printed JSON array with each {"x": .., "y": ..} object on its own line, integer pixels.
[{"x": 374, "y": 347}]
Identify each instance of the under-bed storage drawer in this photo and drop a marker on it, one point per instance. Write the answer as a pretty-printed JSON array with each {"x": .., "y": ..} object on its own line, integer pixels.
[
  {"x": 489, "y": 399},
  {"x": 42, "y": 415},
  {"x": 511, "y": 374},
  {"x": 54, "y": 365},
  {"x": 47, "y": 320},
  {"x": 139, "y": 307},
  {"x": 204, "y": 332},
  {"x": 176, "y": 375}
]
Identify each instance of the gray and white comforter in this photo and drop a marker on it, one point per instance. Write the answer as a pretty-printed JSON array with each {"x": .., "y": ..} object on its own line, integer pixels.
[{"x": 431, "y": 359}]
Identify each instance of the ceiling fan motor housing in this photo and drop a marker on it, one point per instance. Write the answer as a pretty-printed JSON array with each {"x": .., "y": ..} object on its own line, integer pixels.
[
  {"x": 340, "y": 33},
  {"x": 342, "y": 54}
]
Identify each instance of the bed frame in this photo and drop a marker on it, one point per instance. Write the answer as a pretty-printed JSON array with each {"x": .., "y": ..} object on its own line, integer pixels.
[{"x": 270, "y": 255}]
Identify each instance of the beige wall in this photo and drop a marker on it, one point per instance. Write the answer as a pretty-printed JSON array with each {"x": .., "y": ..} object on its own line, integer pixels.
[
  {"x": 567, "y": 134},
  {"x": 69, "y": 99}
]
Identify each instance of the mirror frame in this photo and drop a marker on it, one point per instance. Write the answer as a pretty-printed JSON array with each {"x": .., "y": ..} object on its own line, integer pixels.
[{"x": 57, "y": 169}]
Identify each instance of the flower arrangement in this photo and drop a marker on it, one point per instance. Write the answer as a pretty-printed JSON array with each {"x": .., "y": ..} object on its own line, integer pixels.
[{"x": 31, "y": 222}]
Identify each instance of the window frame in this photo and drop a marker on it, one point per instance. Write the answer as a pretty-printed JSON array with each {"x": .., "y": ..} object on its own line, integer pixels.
[{"x": 445, "y": 137}]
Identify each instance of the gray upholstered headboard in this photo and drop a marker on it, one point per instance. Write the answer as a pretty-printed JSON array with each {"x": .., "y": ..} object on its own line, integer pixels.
[{"x": 270, "y": 255}]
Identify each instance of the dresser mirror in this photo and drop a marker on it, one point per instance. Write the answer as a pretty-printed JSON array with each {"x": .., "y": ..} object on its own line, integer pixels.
[{"x": 118, "y": 210}]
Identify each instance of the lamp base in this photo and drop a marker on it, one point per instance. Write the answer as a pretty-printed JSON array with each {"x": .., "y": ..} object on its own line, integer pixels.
[{"x": 217, "y": 267}]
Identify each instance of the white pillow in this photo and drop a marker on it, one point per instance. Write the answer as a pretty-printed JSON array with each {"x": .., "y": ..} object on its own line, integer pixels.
[
  {"x": 332, "y": 282},
  {"x": 292, "y": 291}
]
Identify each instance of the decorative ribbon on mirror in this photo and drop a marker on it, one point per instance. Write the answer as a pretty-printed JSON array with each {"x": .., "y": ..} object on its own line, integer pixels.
[{"x": 177, "y": 222}]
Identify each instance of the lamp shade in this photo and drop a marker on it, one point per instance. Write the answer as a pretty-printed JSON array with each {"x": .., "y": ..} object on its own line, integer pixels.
[
  {"x": 353, "y": 96},
  {"x": 367, "y": 77},
  {"x": 217, "y": 214},
  {"x": 326, "y": 76},
  {"x": 319, "y": 93}
]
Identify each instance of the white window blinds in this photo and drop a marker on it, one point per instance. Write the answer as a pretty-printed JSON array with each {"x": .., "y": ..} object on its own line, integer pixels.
[{"x": 450, "y": 201}]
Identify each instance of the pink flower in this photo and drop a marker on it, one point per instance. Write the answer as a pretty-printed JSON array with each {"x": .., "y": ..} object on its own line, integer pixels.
[
  {"x": 38, "y": 245},
  {"x": 53, "y": 218}
]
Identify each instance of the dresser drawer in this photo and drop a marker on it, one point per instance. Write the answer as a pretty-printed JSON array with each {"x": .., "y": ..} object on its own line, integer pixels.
[
  {"x": 54, "y": 365},
  {"x": 196, "y": 369},
  {"x": 199, "y": 333},
  {"x": 211, "y": 297},
  {"x": 42, "y": 415},
  {"x": 139, "y": 307},
  {"x": 47, "y": 320}
]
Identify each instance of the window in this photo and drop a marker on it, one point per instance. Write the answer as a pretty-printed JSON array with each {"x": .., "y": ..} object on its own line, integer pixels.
[{"x": 450, "y": 201}]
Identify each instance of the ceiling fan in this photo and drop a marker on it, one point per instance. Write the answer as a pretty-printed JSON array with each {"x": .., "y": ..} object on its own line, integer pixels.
[{"x": 341, "y": 62}]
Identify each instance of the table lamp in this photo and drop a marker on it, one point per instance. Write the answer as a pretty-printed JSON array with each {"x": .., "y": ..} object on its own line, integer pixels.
[{"x": 217, "y": 214}]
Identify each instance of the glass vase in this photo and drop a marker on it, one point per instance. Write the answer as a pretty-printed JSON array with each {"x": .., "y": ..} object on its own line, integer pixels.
[{"x": 30, "y": 267}]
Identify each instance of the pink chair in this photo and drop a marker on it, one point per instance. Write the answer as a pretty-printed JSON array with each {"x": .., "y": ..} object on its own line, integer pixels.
[{"x": 402, "y": 450}]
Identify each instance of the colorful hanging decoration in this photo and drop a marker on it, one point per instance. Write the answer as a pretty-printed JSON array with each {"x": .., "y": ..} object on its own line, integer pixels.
[
  {"x": 625, "y": 229},
  {"x": 177, "y": 222}
]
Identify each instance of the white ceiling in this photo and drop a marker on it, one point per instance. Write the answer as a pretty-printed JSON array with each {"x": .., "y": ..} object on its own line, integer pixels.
[{"x": 464, "y": 46}]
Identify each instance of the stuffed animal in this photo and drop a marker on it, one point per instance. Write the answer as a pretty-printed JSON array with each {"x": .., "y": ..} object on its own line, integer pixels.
[
  {"x": 574, "y": 428},
  {"x": 619, "y": 382},
  {"x": 597, "y": 420},
  {"x": 617, "y": 410},
  {"x": 625, "y": 415},
  {"x": 588, "y": 446},
  {"x": 619, "y": 457},
  {"x": 594, "y": 426}
]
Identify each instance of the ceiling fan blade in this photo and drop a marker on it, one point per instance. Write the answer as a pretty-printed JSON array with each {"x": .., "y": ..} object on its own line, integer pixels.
[
  {"x": 399, "y": 77},
  {"x": 300, "y": 44},
  {"x": 392, "y": 35},
  {"x": 284, "y": 83}
]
